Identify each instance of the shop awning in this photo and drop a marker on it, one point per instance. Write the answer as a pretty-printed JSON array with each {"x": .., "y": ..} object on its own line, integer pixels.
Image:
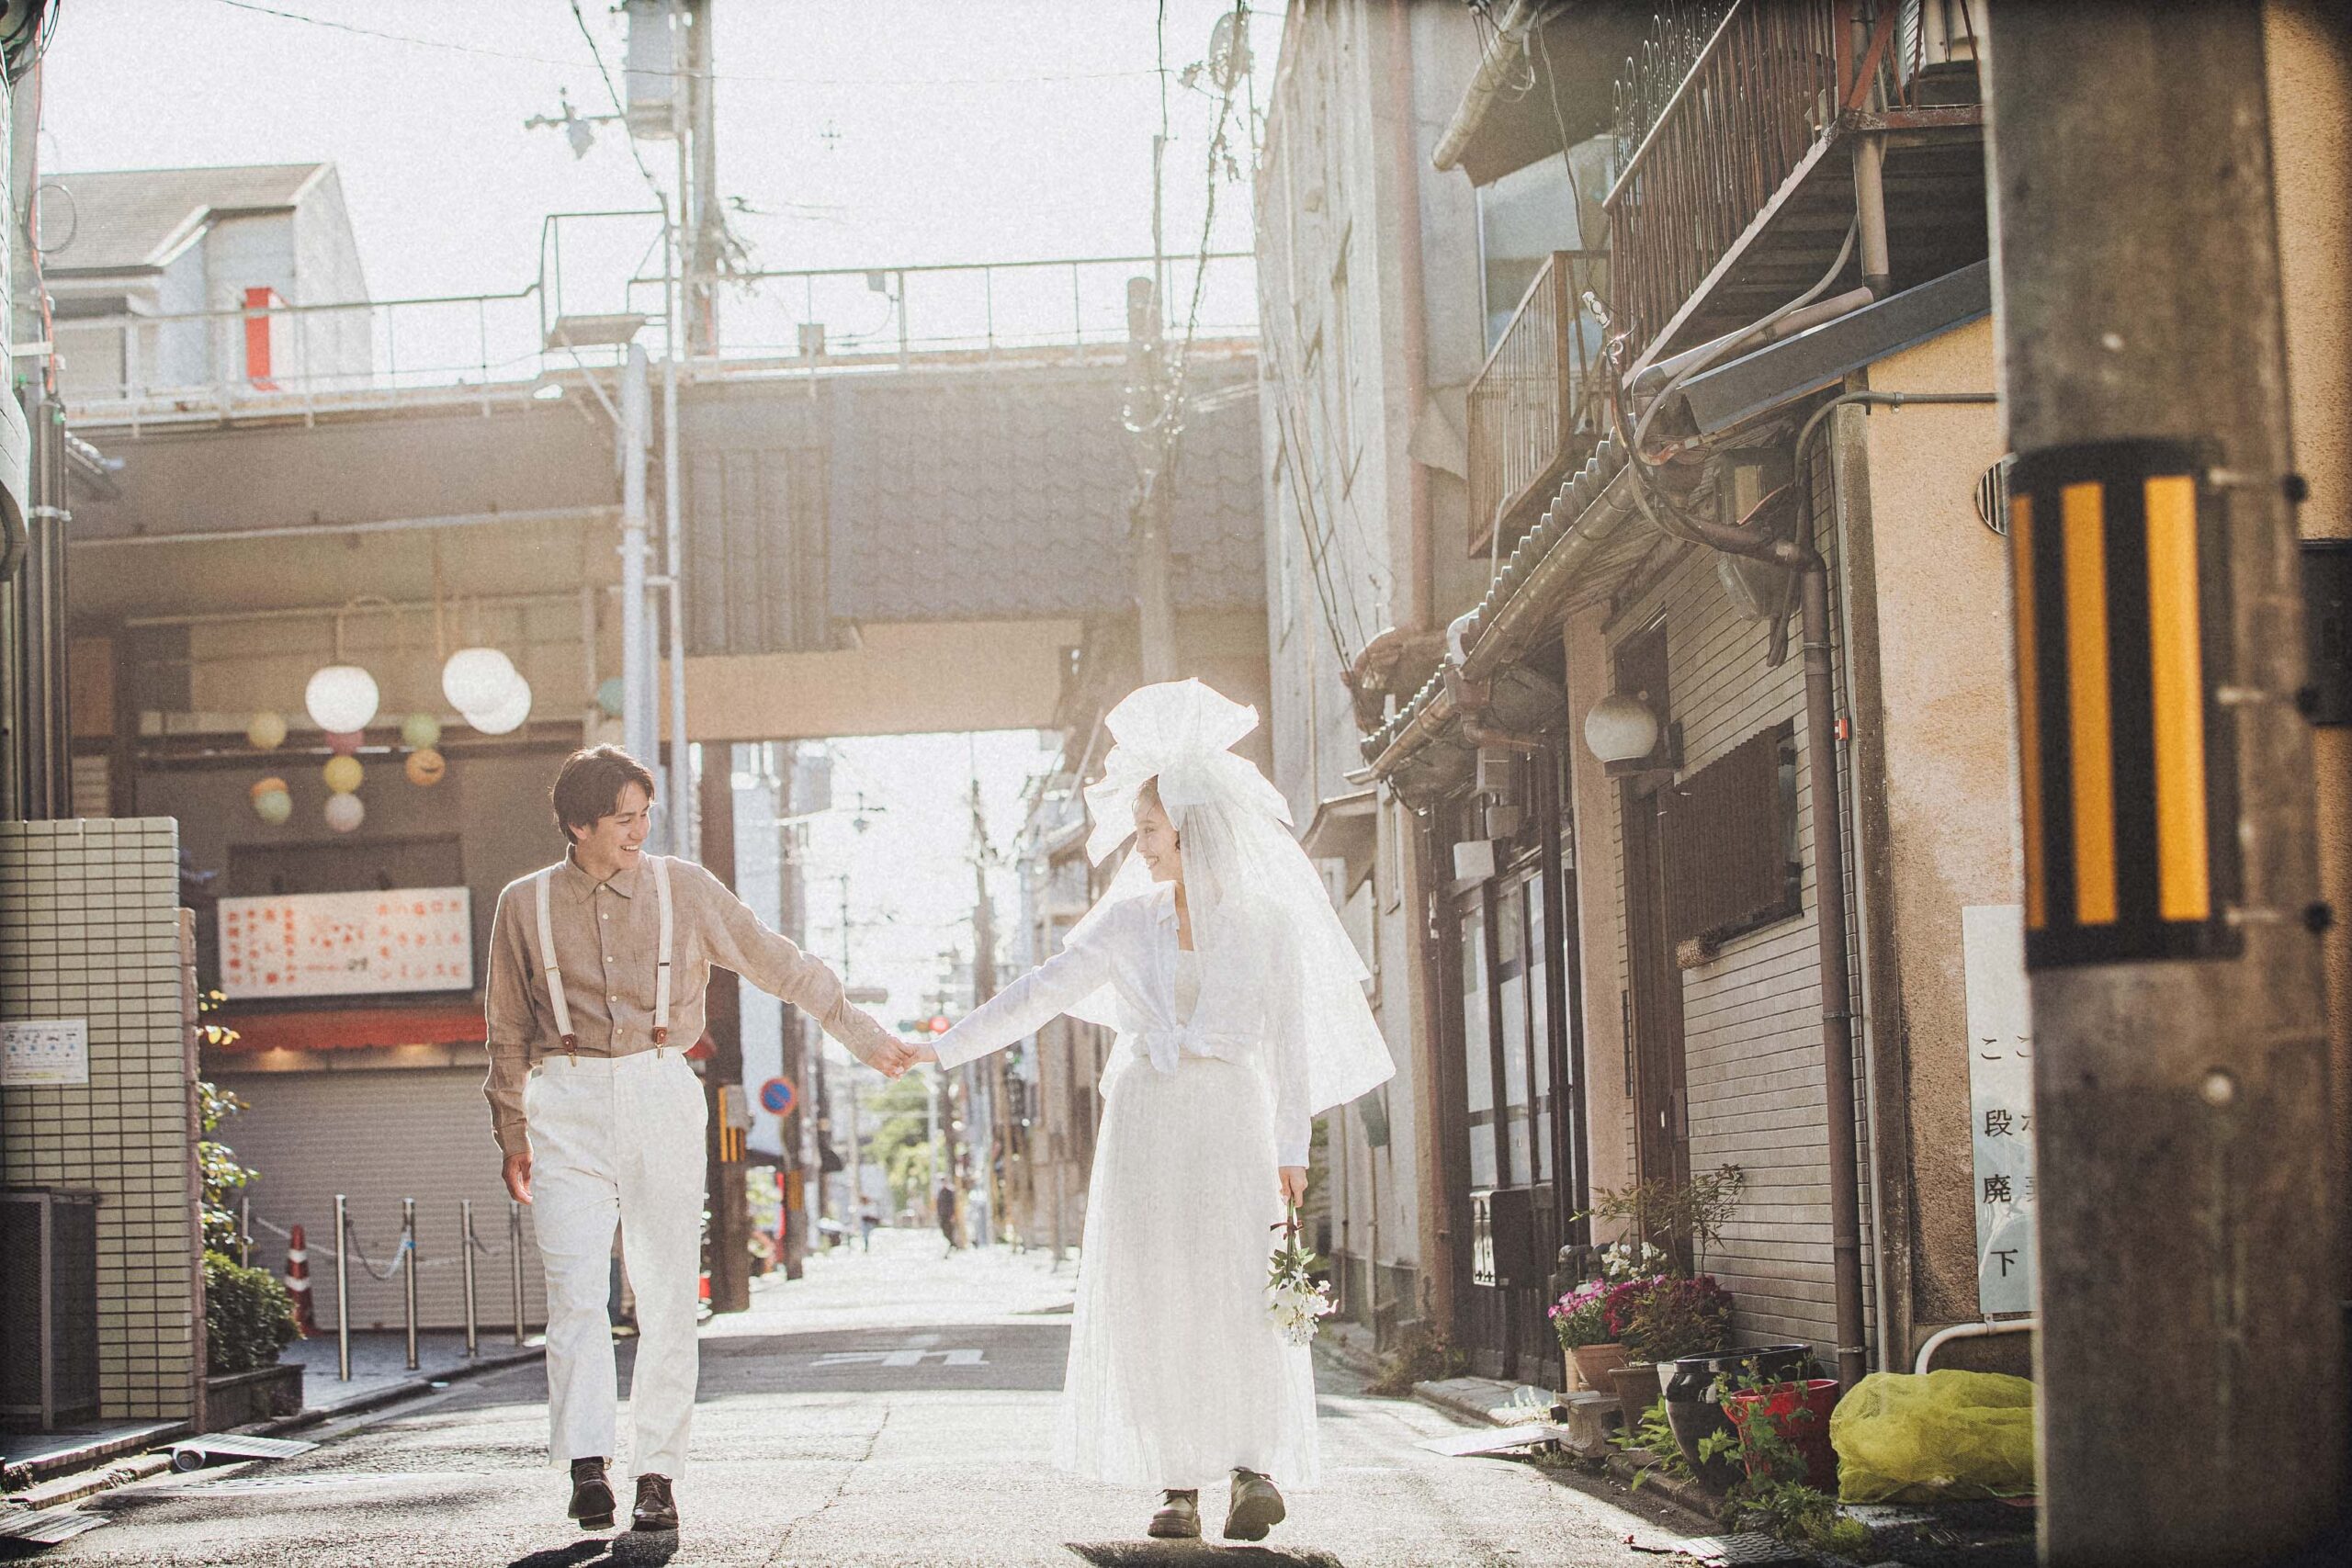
[{"x": 349, "y": 1029}]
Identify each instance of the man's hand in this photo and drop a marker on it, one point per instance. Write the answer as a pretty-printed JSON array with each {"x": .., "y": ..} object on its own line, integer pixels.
[
  {"x": 925, "y": 1051},
  {"x": 518, "y": 1176},
  {"x": 1294, "y": 1184}
]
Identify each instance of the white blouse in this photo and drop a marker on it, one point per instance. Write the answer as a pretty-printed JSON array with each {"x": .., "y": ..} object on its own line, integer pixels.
[{"x": 1131, "y": 948}]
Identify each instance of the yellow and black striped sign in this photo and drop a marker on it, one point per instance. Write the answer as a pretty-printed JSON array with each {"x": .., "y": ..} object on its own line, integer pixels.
[{"x": 2129, "y": 775}]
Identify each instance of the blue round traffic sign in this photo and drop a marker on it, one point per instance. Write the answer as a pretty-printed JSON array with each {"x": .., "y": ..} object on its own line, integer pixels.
[{"x": 777, "y": 1096}]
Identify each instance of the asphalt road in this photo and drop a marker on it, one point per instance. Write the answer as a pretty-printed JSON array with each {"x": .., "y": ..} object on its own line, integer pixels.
[{"x": 891, "y": 1408}]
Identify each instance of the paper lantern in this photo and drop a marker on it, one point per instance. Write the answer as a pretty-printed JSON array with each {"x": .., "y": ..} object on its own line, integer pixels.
[
  {"x": 343, "y": 775},
  {"x": 344, "y": 812},
  {"x": 426, "y": 768},
  {"x": 1619, "y": 729},
  {"x": 274, "y": 807},
  {"x": 476, "y": 680},
  {"x": 266, "y": 732},
  {"x": 270, "y": 785},
  {"x": 340, "y": 697},
  {"x": 509, "y": 715},
  {"x": 421, "y": 731},
  {"x": 345, "y": 743},
  {"x": 610, "y": 695}
]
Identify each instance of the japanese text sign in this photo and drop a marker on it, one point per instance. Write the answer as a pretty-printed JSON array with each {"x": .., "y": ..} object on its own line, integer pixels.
[
  {"x": 2000, "y": 1084},
  {"x": 334, "y": 944}
]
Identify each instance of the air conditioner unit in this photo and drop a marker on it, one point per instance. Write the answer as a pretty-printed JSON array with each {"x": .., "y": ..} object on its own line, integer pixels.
[{"x": 49, "y": 1307}]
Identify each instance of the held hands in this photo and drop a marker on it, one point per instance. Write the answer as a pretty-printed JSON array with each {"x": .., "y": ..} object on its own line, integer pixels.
[
  {"x": 1294, "y": 1185},
  {"x": 894, "y": 1057}
]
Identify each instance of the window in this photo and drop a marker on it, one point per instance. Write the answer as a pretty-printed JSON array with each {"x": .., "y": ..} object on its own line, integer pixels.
[{"x": 1731, "y": 861}]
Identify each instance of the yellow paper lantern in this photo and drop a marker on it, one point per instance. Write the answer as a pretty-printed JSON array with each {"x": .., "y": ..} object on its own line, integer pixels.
[
  {"x": 426, "y": 768},
  {"x": 266, "y": 732},
  {"x": 343, "y": 775},
  {"x": 421, "y": 730}
]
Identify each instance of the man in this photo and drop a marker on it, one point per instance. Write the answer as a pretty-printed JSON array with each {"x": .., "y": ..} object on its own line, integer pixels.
[{"x": 597, "y": 969}]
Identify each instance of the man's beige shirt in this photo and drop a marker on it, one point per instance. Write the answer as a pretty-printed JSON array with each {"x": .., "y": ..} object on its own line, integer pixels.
[{"x": 605, "y": 934}]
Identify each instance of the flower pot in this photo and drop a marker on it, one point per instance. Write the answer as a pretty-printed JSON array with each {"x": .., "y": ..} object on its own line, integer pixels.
[
  {"x": 1637, "y": 1387},
  {"x": 1691, "y": 1406},
  {"x": 1799, "y": 1412},
  {"x": 1594, "y": 1361}
]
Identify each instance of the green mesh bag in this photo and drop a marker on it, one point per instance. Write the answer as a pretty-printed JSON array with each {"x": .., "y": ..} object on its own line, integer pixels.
[{"x": 1940, "y": 1437}]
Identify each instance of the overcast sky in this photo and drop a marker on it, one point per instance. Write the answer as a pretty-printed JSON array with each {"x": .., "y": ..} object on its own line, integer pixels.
[{"x": 854, "y": 133}]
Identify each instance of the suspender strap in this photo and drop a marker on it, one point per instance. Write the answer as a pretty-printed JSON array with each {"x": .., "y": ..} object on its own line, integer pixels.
[
  {"x": 661, "y": 955},
  {"x": 555, "y": 974}
]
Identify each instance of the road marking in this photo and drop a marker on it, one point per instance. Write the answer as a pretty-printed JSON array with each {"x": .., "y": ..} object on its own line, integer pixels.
[{"x": 899, "y": 1360}]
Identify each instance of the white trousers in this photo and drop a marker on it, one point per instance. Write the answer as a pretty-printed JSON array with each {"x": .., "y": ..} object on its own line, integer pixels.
[{"x": 618, "y": 1139}]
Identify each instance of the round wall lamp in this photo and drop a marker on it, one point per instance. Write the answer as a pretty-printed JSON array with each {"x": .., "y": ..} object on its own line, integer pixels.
[{"x": 1620, "y": 728}]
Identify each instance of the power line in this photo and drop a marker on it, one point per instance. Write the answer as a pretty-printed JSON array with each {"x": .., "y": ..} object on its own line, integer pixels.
[
  {"x": 628, "y": 132},
  {"x": 451, "y": 46}
]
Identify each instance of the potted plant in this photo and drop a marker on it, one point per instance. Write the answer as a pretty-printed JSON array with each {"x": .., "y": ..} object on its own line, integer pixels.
[
  {"x": 1785, "y": 1427},
  {"x": 1587, "y": 1341},
  {"x": 1634, "y": 1378}
]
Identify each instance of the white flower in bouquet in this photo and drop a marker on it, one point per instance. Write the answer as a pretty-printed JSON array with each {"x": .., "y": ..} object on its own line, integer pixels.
[{"x": 1296, "y": 1300}]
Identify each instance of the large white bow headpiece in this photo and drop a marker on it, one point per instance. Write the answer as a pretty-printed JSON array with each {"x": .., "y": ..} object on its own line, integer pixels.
[{"x": 1181, "y": 733}]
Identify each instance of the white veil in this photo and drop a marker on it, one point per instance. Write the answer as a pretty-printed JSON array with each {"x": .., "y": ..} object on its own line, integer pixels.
[{"x": 1260, "y": 912}]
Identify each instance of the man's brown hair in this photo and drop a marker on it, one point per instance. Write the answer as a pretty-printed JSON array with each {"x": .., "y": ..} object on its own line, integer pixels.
[{"x": 590, "y": 786}]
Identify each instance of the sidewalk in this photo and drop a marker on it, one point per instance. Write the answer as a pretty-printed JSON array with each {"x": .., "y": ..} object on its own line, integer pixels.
[{"x": 380, "y": 1370}]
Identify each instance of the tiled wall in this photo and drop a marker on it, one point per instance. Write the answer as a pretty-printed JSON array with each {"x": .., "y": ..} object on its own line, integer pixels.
[{"x": 90, "y": 928}]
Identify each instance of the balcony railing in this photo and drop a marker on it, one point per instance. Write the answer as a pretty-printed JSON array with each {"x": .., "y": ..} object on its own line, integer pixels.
[
  {"x": 1762, "y": 89},
  {"x": 1729, "y": 197},
  {"x": 1535, "y": 408}
]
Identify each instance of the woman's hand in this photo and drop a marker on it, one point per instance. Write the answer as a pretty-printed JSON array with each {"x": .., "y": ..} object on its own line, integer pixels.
[
  {"x": 925, "y": 1051},
  {"x": 892, "y": 1057},
  {"x": 1294, "y": 1184}
]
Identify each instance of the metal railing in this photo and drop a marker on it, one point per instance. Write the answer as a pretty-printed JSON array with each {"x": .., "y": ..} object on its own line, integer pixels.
[
  {"x": 1534, "y": 407},
  {"x": 1765, "y": 85},
  {"x": 303, "y": 360}
]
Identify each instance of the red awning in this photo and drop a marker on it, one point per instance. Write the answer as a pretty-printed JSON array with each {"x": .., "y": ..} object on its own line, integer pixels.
[{"x": 342, "y": 1029}]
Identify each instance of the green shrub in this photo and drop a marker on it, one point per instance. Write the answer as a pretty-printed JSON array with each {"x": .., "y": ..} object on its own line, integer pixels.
[{"x": 248, "y": 1317}]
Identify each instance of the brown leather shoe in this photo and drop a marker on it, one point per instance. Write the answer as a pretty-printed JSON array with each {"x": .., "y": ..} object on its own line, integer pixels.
[
  {"x": 1178, "y": 1517},
  {"x": 1256, "y": 1508},
  {"x": 656, "y": 1509},
  {"x": 592, "y": 1495}
]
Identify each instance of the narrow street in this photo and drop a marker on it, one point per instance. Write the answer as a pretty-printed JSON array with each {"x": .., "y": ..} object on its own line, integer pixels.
[{"x": 891, "y": 1408}]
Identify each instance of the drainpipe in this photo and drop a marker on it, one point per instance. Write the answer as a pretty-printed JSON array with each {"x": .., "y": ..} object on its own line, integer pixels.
[
  {"x": 1829, "y": 849},
  {"x": 1419, "y": 550}
]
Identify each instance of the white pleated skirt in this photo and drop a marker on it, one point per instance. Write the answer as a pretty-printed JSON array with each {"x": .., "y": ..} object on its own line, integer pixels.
[{"x": 1177, "y": 1373}]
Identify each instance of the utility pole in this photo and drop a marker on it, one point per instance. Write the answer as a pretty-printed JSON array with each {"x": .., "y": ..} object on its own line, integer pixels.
[
  {"x": 698, "y": 177},
  {"x": 2188, "y": 1227},
  {"x": 1151, "y": 408},
  {"x": 730, "y": 1212},
  {"x": 640, "y": 737},
  {"x": 984, "y": 1114},
  {"x": 792, "y": 1135}
]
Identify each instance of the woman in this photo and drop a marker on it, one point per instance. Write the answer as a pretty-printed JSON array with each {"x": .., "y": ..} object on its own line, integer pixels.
[{"x": 1239, "y": 1002}]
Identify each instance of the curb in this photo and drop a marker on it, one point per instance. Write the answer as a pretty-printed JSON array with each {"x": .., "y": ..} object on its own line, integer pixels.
[
  {"x": 407, "y": 1388},
  {"x": 70, "y": 1489},
  {"x": 1687, "y": 1496},
  {"x": 1475, "y": 1407},
  {"x": 73, "y": 1462},
  {"x": 77, "y": 1485}
]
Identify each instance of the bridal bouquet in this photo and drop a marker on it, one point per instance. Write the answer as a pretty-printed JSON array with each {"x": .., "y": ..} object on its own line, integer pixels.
[{"x": 1296, "y": 1299}]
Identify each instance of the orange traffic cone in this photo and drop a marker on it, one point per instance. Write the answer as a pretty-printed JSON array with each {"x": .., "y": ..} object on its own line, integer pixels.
[{"x": 297, "y": 1283}]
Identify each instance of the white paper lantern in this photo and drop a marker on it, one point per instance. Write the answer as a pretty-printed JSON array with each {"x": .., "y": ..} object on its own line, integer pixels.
[
  {"x": 514, "y": 707},
  {"x": 345, "y": 812},
  {"x": 340, "y": 697},
  {"x": 1619, "y": 729},
  {"x": 476, "y": 680}
]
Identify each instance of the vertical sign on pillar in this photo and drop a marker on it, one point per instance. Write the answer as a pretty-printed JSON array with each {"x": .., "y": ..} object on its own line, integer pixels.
[{"x": 2000, "y": 1103}]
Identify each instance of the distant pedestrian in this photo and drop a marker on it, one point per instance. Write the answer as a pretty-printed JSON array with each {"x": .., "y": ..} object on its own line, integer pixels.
[
  {"x": 869, "y": 1217},
  {"x": 946, "y": 1201},
  {"x": 1238, "y": 1002},
  {"x": 589, "y": 1094}
]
